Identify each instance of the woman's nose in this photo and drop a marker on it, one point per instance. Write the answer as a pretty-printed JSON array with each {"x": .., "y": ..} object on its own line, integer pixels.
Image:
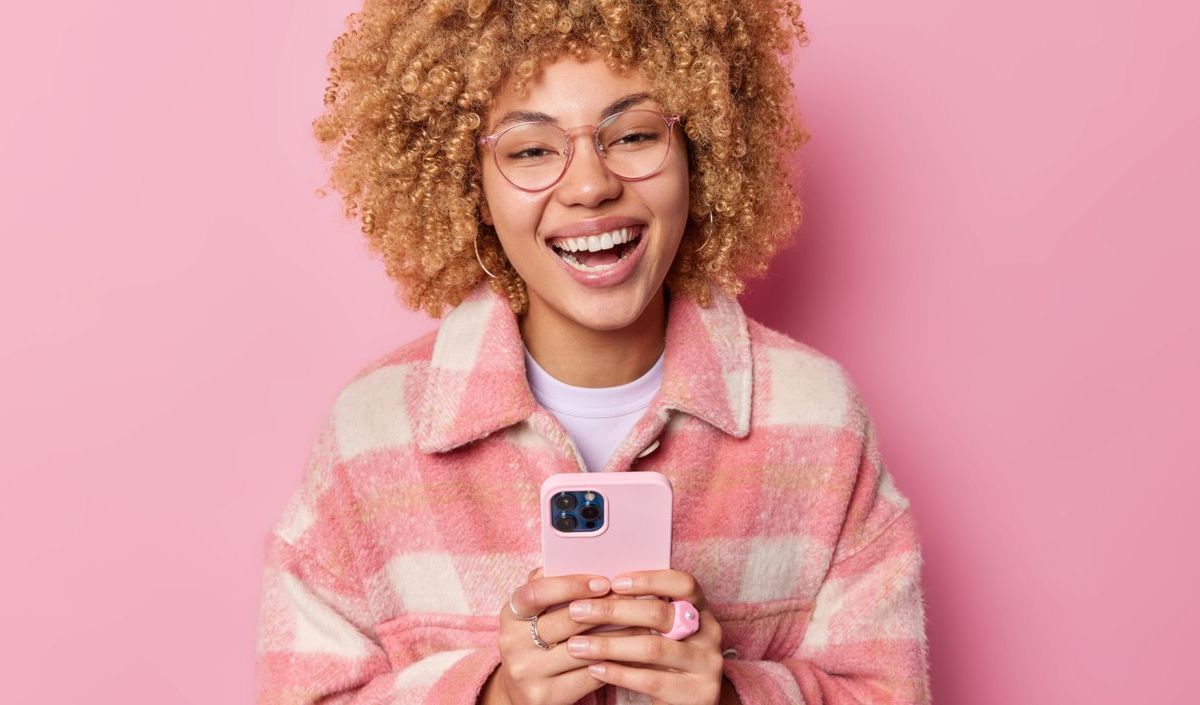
[{"x": 586, "y": 172}]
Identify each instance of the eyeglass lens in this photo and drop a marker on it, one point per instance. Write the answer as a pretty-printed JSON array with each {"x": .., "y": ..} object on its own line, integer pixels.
[{"x": 634, "y": 143}]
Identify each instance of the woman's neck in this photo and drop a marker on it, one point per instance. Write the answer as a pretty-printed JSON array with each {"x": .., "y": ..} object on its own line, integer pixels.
[{"x": 584, "y": 357}]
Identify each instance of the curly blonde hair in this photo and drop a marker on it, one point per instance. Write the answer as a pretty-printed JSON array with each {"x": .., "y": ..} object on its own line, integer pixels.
[{"x": 411, "y": 81}]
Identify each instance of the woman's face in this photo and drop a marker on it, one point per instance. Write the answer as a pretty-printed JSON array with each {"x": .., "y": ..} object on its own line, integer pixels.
[{"x": 588, "y": 199}]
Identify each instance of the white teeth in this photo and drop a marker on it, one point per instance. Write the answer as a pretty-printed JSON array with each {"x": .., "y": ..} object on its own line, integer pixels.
[
  {"x": 570, "y": 259},
  {"x": 596, "y": 243}
]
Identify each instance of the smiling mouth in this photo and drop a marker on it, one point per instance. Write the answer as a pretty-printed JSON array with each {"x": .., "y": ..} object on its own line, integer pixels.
[{"x": 597, "y": 253}]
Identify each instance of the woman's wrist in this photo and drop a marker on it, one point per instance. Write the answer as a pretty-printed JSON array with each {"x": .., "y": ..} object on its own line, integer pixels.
[{"x": 492, "y": 692}]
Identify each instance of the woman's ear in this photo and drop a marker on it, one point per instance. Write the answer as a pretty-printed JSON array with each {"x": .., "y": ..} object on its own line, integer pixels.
[{"x": 485, "y": 213}]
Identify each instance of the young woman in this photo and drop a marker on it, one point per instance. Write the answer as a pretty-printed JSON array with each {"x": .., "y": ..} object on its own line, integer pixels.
[{"x": 585, "y": 185}]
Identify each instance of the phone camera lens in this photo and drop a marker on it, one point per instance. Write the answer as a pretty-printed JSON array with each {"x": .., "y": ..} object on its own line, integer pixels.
[
  {"x": 565, "y": 501},
  {"x": 565, "y": 522},
  {"x": 590, "y": 512}
]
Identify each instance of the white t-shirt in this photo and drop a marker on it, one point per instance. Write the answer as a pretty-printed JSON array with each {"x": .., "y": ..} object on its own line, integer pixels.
[{"x": 597, "y": 418}]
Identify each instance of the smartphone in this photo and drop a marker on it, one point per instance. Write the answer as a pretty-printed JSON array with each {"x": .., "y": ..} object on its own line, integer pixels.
[{"x": 605, "y": 524}]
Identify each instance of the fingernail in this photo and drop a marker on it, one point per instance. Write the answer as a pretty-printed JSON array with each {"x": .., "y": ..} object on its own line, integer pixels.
[
  {"x": 596, "y": 669},
  {"x": 578, "y": 645},
  {"x": 622, "y": 583},
  {"x": 598, "y": 584},
  {"x": 580, "y": 609}
]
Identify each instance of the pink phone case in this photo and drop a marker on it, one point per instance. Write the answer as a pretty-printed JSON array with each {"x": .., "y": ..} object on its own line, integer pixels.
[{"x": 635, "y": 533}]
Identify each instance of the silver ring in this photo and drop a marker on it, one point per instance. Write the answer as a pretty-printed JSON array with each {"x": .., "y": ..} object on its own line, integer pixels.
[
  {"x": 517, "y": 614},
  {"x": 537, "y": 639}
]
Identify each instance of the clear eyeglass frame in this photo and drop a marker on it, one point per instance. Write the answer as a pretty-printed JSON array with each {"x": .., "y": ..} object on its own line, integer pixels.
[{"x": 569, "y": 135}]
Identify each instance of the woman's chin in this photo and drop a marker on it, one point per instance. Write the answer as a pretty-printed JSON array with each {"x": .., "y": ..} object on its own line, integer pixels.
[
  {"x": 609, "y": 310},
  {"x": 598, "y": 308}
]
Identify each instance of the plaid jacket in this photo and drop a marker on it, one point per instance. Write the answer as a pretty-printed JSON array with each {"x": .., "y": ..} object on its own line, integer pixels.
[{"x": 417, "y": 515}]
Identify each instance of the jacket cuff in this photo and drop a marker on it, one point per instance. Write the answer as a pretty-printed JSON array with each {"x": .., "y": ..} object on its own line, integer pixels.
[
  {"x": 762, "y": 682},
  {"x": 461, "y": 684}
]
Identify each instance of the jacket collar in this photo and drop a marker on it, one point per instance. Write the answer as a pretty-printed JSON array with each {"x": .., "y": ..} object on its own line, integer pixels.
[{"x": 476, "y": 385}]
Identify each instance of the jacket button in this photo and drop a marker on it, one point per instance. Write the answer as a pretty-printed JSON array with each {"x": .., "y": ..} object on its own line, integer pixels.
[
  {"x": 649, "y": 449},
  {"x": 730, "y": 653}
]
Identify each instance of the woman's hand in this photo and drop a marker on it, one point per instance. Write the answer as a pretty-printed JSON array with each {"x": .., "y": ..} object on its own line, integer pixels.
[
  {"x": 686, "y": 672},
  {"x": 530, "y": 675}
]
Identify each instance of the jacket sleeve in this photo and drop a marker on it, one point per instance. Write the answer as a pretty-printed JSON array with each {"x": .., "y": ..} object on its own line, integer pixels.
[
  {"x": 865, "y": 640},
  {"x": 316, "y": 639}
]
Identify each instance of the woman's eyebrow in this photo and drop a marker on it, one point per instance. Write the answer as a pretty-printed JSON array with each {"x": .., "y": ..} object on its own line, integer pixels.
[{"x": 616, "y": 106}]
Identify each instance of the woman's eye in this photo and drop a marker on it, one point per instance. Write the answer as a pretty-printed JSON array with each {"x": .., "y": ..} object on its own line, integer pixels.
[
  {"x": 634, "y": 138},
  {"x": 531, "y": 153}
]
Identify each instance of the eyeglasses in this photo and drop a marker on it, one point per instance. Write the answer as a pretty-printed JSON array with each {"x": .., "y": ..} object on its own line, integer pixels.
[{"x": 533, "y": 156}]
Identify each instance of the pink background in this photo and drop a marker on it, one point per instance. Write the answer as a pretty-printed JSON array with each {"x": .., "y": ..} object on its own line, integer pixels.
[{"x": 1000, "y": 246}]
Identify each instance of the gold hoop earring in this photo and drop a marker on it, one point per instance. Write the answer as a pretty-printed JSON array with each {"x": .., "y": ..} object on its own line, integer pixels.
[
  {"x": 706, "y": 237},
  {"x": 480, "y": 261}
]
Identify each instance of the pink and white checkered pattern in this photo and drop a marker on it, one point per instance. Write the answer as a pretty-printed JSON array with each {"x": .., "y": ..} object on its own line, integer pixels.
[{"x": 417, "y": 515}]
